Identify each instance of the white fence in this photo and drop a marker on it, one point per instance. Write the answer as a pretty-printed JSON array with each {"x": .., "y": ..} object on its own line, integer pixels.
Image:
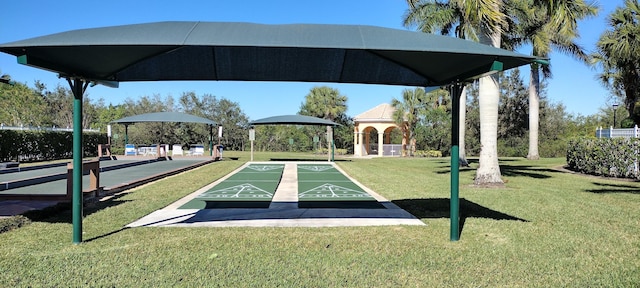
[
  {"x": 614, "y": 133},
  {"x": 38, "y": 128}
]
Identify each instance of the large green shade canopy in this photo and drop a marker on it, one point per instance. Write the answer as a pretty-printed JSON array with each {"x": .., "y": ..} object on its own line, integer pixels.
[
  {"x": 255, "y": 52},
  {"x": 164, "y": 117},
  {"x": 258, "y": 52},
  {"x": 293, "y": 120}
]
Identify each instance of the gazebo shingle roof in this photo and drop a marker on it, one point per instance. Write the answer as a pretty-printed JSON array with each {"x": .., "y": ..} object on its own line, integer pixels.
[{"x": 382, "y": 112}]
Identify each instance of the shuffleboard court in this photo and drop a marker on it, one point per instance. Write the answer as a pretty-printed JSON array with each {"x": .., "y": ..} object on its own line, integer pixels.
[
  {"x": 111, "y": 178},
  {"x": 350, "y": 202},
  {"x": 251, "y": 187},
  {"x": 323, "y": 186}
]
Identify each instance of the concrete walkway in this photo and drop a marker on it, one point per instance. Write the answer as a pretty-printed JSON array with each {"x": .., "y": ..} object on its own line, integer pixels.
[{"x": 283, "y": 211}]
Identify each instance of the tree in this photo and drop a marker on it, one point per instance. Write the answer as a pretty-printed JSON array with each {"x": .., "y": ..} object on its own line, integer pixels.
[
  {"x": 106, "y": 114},
  {"x": 486, "y": 19},
  {"x": 489, "y": 17},
  {"x": 546, "y": 26},
  {"x": 407, "y": 115},
  {"x": 513, "y": 118},
  {"x": 435, "y": 122},
  {"x": 618, "y": 54},
  {"x": 148, "y": 133},
  {"x": 446, "y": 18},
  {"x": 234, "y": 123},
  {"x": 21, "y": 106},
  {"x": 326, "y": 103},
  {"x": 226, "y": 113}
]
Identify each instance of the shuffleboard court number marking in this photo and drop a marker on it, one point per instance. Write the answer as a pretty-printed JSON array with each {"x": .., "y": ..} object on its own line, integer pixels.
[
  {"x": 328, "y": 190},
  {"x": 315, "y": 168},
  {"x": 264, "y": 167},
  {"x": 245, "y": 190}
]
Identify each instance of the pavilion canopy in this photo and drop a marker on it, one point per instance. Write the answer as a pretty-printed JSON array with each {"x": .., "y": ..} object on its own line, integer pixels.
[
  {"x": 257, "y": 52},
  {"x": 293, "y": 120},
  {"x": 164, "y": 117}
]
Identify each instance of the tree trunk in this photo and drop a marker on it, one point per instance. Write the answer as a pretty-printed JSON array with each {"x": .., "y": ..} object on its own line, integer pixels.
[
  {"x": 463, "y": 127},
  {"x": 534, "y": 112},
  {"x": 489, "y": 170}
]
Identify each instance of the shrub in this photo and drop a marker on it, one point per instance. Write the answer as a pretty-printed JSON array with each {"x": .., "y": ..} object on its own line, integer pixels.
[
  {"x": 616, "y": 157},
  {"x": 28, "y": 146},
  {"x": 428, "y": 153},
  {"x": 13, "y": 222}
]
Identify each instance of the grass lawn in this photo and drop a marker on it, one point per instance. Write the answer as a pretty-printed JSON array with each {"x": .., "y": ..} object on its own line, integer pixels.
[{"x": 544, "y": 229}]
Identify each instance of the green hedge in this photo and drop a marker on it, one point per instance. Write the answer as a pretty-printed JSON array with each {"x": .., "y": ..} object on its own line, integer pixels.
[
  {"x": 30, "y": 146},
  {"x": 338, "y": 151},
  {"x": 428, "y": 153},
  {"x": 616, "y": 157}
]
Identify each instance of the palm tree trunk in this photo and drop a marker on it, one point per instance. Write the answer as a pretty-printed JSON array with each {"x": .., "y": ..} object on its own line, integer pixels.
[
  {"x": 534, "y": 114},
  {"x": 489, "y": 170}
]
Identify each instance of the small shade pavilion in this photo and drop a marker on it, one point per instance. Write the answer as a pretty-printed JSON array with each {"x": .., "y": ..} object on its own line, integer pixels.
[
  {"x": 176, "y": 117},
  {"x": 299, "y": 120}
]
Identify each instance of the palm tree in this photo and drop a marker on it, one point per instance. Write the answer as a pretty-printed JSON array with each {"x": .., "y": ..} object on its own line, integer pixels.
[
  {"x": 490, "y": 18},
  {"x": 407, "y": 113},
  {"x": 446, "y": 19},
  {"x": 618, "y": 53},
  {"x": 486, "y": 19},
  {"x": 324, "y": 102},
  {"x": 546, "y": 26}
]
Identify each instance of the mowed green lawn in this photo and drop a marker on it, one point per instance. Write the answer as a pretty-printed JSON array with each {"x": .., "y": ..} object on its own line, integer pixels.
[{"x": 544, "y": 229}]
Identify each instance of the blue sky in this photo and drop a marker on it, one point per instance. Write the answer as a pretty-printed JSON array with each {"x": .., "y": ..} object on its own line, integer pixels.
[{"x": 573, "y": 83}]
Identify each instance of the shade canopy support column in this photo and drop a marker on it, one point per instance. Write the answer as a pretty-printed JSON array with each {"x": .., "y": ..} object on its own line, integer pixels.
[
  {"x": 78, "y": 87},
  {"x": 126, "y": 134},
  {"x": 210, "y": 140},
  {"x": 455, "y": 90}
]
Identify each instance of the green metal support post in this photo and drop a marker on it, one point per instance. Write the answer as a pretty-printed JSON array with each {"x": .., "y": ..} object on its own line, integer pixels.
[
  {"x": 126, "y": 134},
  {"x": 333, "y": 143},
  {"x": 78, "y": 86},
  {"x": 455, "y": 91},
  {"x": 210, "y": 140}
]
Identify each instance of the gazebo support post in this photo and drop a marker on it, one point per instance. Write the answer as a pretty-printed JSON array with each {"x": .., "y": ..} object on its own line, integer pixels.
[
  {"x": 455, "y": 91},
  {"x": 78, "y": 86}
]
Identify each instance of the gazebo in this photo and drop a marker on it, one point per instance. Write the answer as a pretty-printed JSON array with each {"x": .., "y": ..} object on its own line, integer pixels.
[{"x": 380, "y": 119}]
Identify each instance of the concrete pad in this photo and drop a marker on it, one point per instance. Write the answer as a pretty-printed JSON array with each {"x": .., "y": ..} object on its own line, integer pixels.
[{"x": 283, "y": 211}]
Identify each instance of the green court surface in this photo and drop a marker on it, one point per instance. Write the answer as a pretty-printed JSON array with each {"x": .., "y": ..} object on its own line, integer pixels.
[
  {"x": 322, "y": 186},
  {"x": 251, "y": 187}
]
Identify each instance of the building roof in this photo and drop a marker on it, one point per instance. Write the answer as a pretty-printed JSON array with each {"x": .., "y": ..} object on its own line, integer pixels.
[{"x": 380, "y": 113}]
